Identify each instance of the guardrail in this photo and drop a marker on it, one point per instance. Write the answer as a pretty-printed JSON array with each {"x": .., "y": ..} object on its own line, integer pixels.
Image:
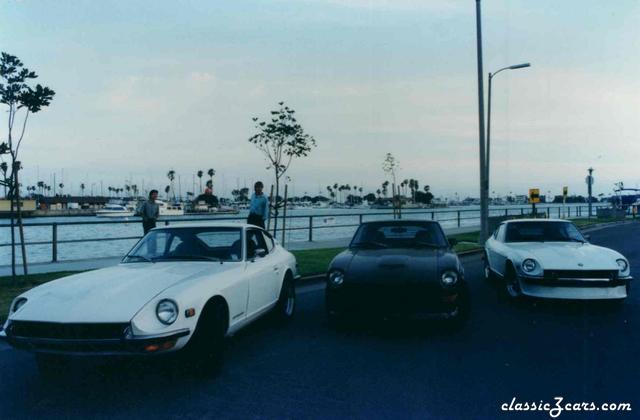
[{"x": 459, "y": 217}]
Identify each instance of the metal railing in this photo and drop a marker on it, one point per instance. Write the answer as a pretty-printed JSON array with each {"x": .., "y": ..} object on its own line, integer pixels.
[{"x": 459, "y": 217}]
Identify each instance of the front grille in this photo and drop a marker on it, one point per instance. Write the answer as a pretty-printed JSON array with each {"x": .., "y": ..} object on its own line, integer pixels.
[
  {"x": 581, "y": 274},
  {"x": 60, "y": 331}
]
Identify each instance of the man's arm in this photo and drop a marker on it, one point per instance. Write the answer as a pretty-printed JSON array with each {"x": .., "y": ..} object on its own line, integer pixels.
[{"x": 265, "y": 212}]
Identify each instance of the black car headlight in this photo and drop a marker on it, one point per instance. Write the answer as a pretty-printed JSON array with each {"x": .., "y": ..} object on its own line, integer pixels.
[
  {"x": 449, "y": 278},
  {"x": 623, "y": 266},
  {"x": 167, "y": 311},
  {"x": 17, "y": 304},
  {"x": 336, "y": 278}
]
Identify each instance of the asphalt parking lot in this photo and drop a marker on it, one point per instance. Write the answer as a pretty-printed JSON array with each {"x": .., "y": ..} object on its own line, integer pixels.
[{"x": 582, "y": 351}]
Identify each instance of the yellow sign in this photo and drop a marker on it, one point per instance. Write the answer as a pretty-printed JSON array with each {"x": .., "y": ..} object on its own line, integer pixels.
[
  {"x": 534, "y": 195},
  {"x": 565, "y": 191}
]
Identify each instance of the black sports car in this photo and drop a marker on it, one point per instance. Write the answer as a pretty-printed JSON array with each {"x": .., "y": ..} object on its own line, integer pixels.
[{"x": 398, "y": 268}]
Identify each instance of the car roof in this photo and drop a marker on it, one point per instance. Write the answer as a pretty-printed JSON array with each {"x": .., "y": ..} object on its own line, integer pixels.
[
  {"x": 396, "y": 221},
  {"x": 207, "y": 225},
  {"x": 536, "y": 220}
]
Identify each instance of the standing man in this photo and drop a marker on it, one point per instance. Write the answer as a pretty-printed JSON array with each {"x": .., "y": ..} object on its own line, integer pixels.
[
  {"x": 149, "y": 210},
  {"x": 259, "y": 208}
]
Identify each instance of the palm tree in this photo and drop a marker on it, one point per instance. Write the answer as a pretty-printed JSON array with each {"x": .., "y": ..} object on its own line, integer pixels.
[
  {"x": 378, "y": 192},
  {"x": 211, "y": 172},
  {"x": 199, "y": 175},
  {"x": 385, "y": 186},
  {"x": 166, "y": 191},
  {"x": 61, "y": 185},
  {"x": 128, "y": 188},
  {"x": 82, "y": 186}
]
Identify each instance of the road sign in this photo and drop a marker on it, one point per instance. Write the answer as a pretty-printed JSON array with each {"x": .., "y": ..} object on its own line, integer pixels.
[{"x": 534, "y": 195}]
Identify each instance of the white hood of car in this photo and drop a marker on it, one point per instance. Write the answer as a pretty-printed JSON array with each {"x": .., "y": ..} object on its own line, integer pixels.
[
  {"x": 112, "y": 294},
  {"x": 568, "y": 255}
]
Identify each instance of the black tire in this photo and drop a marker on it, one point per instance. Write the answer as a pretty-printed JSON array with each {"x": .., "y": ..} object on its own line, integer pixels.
[
  {"x": 205, "y": 350},
  {"x": 51, "y": 366},
  {"x": 286, "y": 307},
  {"x": 511, "y": 284}
]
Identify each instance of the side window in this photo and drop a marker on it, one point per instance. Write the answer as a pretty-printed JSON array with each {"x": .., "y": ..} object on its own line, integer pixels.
[
  {"x": 255, "y": 241},
  {"x": 269, "y": 241},
  {"x": 500, "y": 233},
  {"x": 175, "y": 243}
]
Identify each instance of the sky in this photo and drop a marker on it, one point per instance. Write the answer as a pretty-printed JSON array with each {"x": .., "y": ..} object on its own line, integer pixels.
[{"x": 146, "y": 86}]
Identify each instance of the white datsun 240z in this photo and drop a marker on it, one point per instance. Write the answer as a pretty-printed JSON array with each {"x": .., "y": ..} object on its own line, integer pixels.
[
  {"x": 180, "y": 287},
  {"x": 552, "y": 259}
]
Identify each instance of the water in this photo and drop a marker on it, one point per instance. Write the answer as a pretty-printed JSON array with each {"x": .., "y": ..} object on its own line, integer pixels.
[{"x": 328, "y": 224}]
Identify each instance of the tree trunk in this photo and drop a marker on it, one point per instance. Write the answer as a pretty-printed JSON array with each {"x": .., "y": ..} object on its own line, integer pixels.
[
  {"x": 20, "y": 227},
  {"x": 275, "y": 220},
  {"x": 13, "y": 234}
]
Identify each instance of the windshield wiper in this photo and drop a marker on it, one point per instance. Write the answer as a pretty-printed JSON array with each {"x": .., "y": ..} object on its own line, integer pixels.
[
  {"x": 189, "y": 257},
  {"x": 427, "y": 244},
  {"x": 371, "y": 243},
  {"x": 141, "y": 257}
]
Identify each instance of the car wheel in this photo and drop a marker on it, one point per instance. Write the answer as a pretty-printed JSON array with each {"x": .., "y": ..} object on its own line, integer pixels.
[
  {"x": 205, "y": 350},
  {"x": 512, "y": 283},
  {"x": 286, "y": 306}
]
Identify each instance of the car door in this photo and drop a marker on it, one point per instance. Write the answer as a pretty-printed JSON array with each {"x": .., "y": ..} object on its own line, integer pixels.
[
  {"x": 260, "y": 272},
  {"x": 276, "y": 260}
]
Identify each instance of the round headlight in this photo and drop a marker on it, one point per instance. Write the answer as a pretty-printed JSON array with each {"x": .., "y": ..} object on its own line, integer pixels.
[
  {"x": 623, "y": 265},
  {"x": 449, "y": 278},
  {"x": 529, "y": 265},
  {"x": 19, "y": 303},
  {"x": 167, "y": 311},
  {"x": 336, "y": 278}
]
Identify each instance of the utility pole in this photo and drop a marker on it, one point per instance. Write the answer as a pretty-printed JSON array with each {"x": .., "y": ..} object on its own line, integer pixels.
[
  {"x": 484, "y": 205},
  {"x": 589, "y": 185}
]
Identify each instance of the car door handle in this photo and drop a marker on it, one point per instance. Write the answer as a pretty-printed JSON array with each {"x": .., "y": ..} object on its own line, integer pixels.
[{"x": 275, "y": 268}]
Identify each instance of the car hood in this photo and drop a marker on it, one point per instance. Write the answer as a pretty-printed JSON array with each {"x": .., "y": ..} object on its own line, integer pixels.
[
  {"x": 112, "y": 294},
  {"x": 568, "y": 255},
  {"x": 386, "y": 266}
]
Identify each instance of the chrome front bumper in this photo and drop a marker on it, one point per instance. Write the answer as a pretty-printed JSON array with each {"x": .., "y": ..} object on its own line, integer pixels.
[
  {"x": 128, "y": 345},
  {"x": 579, "y": 289}
]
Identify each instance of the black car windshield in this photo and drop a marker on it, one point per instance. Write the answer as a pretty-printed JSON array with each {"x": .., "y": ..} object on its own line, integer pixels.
[
  {"x": 188, "y": 244},
  {"x": 399, "y": 235},
  {"x": 543, "y": 232}
]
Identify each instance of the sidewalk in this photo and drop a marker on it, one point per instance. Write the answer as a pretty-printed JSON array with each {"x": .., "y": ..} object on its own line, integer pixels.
[{"x": 91, "y": 264}]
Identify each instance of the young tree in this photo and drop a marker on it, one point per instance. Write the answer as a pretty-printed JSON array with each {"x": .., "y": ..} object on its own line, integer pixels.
[
  {"x": 21, "y": 98},
  {"x": 391, "y": 166},
  {"x": 281, "y": 140}
]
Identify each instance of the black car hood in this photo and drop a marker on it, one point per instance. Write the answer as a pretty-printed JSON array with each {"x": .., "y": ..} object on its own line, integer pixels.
[{"x": 395, "y": 266}]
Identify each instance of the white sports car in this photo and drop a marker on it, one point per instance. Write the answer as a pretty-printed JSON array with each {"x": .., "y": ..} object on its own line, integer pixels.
[
  {"x": 180, "y": 287},
  {"x": 552, "y": 259}
]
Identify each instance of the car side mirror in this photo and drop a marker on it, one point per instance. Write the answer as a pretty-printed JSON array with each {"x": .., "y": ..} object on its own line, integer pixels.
[
  {"x": 261, "y": 252},
  {"x": 587, "y": 237},
  {"x": 453, "y": 241}
]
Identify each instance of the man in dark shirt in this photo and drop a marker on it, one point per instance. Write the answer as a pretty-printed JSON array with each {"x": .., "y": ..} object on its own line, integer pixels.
[{"x": 149, "y": 210}]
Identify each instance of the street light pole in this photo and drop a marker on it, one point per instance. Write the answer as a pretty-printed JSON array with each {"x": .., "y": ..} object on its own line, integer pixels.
[
  {"x": 491, "y": 76},
  {"x": 484, "y": 187}
]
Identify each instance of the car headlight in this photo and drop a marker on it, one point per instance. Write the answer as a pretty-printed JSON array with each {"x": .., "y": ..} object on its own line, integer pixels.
[
  {"x": 19, "y": 303},
  {"x": 529, "y": 265},
  {"x": 336, "y": 278},
  {"x": 167, "y": 311},
  {"x": 449, "y": 278},
  {"x": 623, "y": 265}
]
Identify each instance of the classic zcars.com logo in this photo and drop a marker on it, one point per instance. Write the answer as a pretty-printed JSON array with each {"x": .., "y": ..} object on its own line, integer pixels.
[{"x": 559, "y": 406}]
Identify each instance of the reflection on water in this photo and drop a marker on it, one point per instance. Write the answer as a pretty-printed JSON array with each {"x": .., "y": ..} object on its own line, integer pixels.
[{"x": 328, "y": 224}]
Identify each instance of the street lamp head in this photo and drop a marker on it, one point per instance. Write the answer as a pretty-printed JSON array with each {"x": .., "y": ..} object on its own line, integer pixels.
[{"x": 519, "y": 66}]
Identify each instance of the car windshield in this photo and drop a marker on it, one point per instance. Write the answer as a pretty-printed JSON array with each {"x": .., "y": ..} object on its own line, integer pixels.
[
  {"x": 399, "y": 235},
  {"x": 188, "y": 244},
  {"x": 543, "y": 232}
]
